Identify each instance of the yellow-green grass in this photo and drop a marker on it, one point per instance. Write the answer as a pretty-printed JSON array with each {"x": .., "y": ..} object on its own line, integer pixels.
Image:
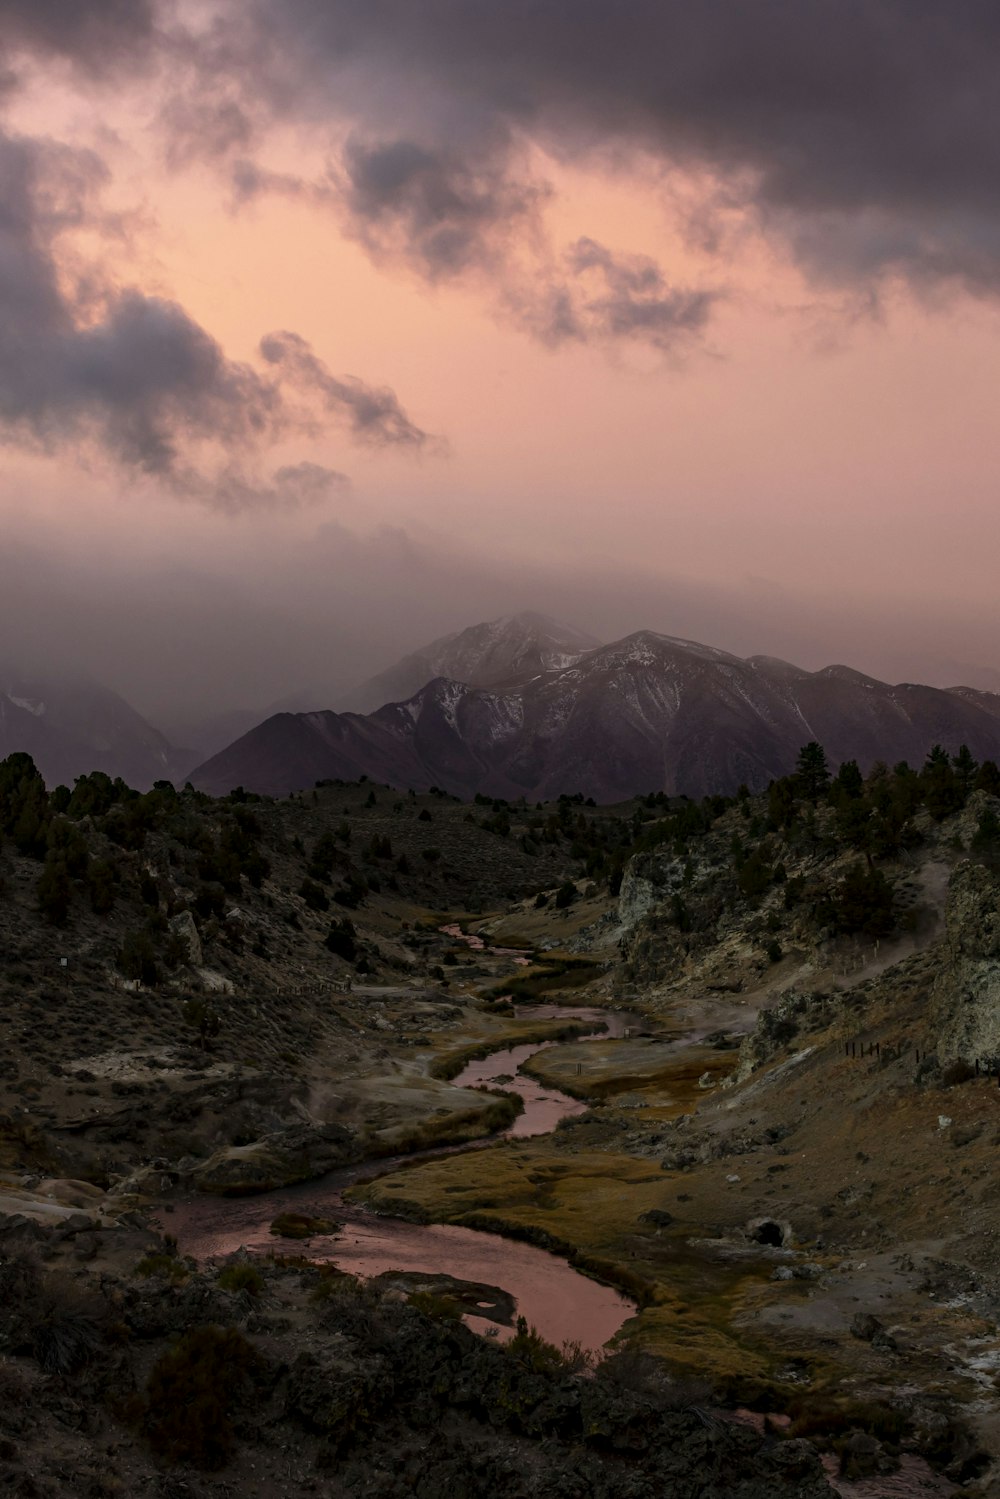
[
  {"x": 668, "y": 1082},
  {"x": 589, "y": 1207},
  {"x": 451, "y": 1060}
]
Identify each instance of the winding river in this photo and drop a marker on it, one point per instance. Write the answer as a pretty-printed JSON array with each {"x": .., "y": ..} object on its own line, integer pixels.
[{"x": 564, "y": 1305}]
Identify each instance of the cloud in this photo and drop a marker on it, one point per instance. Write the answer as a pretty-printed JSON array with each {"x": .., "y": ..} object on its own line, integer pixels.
[
  {"x": 96, "y": 38},
  {"x": 627, "y": 296},
  {"x": 446, "y": 212},
  {"x": 89, "y": 361},
  {"x": 372, "y": 412},
  {"x": 864, "y": 134},
  {"x": 232, "y": 489}
]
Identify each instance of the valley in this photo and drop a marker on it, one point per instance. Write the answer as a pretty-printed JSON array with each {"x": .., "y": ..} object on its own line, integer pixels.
[{"x": 680, "y": 1079}]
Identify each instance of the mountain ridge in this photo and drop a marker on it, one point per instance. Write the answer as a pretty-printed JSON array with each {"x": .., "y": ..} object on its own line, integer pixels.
[
  {"x": 649, "y": 712},
  {"x": 484, "y": 655},
  {"x": 72, "y": 727}
]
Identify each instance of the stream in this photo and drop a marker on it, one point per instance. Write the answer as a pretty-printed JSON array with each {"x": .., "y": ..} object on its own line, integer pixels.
[
  {"x": 565, "y": 1306},
  {"x": 562, "y": 1304}
]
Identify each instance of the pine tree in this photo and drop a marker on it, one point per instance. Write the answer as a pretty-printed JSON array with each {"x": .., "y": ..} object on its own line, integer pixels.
[{"x": 811, "y": 771}]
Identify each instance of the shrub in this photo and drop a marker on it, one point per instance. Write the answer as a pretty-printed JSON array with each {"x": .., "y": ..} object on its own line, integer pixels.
[
  {"x": 299, "y": 1226},
  {"x": 438, "y": 1308},
  {"x": 137, "y": 957},
  {"x": 53, "y": 890},
  {"x": 352, "y": 894},
  {"x": 65, "y": 1337},
  {"x": 565, "y": 895},
  {"x": 241, "y": 1278},
  {"x": 340, "y": 940},
  {"x": 959, "y": 1071},
  {"x": 186, "y": 1414},
  {"x": 531, "y": 1348},
  {"x": 164, "y": 1266},
  {"x": 314, "y": 896}
]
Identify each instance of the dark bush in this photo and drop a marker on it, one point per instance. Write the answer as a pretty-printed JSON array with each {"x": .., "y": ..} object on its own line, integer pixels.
[
  {"x": 192, "y": 1392},
  {"x": 314, "y": 896},
  {"x": 341, "y": 940}
]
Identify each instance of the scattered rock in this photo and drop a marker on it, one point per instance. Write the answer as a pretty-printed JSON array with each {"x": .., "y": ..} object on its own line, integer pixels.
[
  {"x": 865, "y": 1326},
  {"x": 807, "y": 1271}
]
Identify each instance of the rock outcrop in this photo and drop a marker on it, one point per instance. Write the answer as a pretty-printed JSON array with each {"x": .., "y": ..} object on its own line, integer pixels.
[
  {"x": 966, "y": 994},
  {"x": 281, "y": 1159}
]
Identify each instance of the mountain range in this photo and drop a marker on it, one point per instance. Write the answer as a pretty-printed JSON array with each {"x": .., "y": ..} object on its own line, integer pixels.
[
  {"x": 538, "y": 713},
  {"x": 71, "y": 728},
  {"x": 513, "y": 648}
]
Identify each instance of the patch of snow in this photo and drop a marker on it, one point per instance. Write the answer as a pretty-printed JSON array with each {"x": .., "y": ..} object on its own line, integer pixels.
[{"x": 33, "y": 707}]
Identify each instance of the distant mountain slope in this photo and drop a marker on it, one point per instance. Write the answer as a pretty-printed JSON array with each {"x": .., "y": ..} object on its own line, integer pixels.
[
  {"x": 646, "y": 713},
  {"x": 71, "y": 728},
  {"x": 509, "y": 649}
]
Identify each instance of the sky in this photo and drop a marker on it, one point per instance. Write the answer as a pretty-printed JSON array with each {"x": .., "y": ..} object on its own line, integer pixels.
[{"x": 327, "y": 328}]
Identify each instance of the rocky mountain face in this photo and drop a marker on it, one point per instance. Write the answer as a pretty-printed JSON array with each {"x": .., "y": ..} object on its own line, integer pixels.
[
  {"x": 646, "y": 713},
  {"x": 72, "y": 728},
  {"x": 514, "y": 648}
]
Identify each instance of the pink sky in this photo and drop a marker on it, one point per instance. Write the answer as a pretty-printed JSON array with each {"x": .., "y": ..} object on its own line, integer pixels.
[{"x": 830, "y": 470}]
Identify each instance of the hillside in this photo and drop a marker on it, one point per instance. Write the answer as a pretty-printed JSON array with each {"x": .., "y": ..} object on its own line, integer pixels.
[
  {"x": 71, "y": 728},
  {"x": 256, "y": 992},
  {"x": 648, "y": 713}
]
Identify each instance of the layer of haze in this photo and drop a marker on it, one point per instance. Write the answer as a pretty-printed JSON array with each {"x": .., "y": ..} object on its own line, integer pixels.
[{"x": 327, "y": 330}]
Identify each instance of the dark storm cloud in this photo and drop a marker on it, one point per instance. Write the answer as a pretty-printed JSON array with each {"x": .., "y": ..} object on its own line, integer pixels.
[
  {"x": 864, "y": 132},
  {"x": 93, "y": 34},
  {"x": 445, "y": 210},
  {"x": 136, "y": 372}
]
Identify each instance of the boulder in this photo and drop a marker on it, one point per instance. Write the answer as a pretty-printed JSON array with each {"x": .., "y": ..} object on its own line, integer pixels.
[
  {"x": 183, "y": 926},
  {"x": 299, "y": 1153},
  {"x": 865, "y": 1326}
]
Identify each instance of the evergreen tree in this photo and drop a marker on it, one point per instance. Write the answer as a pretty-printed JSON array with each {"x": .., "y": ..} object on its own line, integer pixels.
[
  {"x": 988, "y": 779},
  {"x": 811, "y": 771},
  {"x": 863, "y": 902},
  {"x": 965, "y": 768},
  {"x": 54, "y": 890},
  {"x": 941, "y": 790},
  {"x": 848, "y": 783}
]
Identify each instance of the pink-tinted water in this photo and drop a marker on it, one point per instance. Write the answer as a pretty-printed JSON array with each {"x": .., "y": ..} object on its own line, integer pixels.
[
  {"x": 477, "y": 944},
  {"x": 543, "y": 1107},
  {"x": 562, "y": 1304}
]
